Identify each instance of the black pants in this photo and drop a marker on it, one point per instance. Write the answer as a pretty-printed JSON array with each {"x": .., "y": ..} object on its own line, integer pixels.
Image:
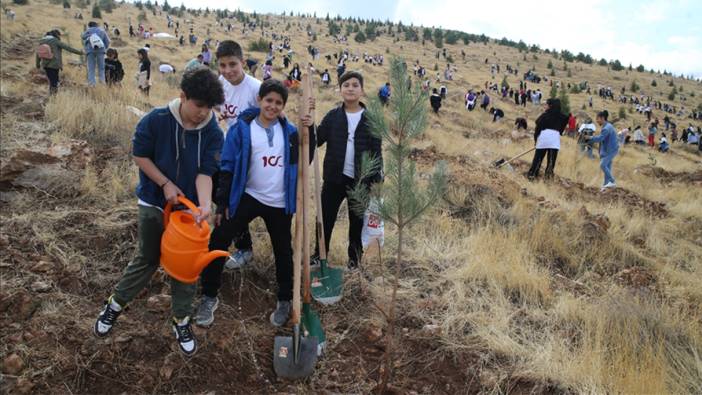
[
  {"x": 539, "y": 157},
  {"x": 53, "y": 76},
  {"x": 332, "y": 196},
  {"x": 278, "y": 226}
]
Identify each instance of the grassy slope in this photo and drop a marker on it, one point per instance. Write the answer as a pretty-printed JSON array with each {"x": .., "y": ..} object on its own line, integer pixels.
[{"x": 529, "y": 288}]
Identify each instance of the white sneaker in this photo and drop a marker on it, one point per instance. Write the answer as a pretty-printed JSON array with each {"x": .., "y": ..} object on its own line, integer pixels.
[
  {"x": 239, "y": 259},
  {"x": 184, "y": 336},
  {"x": 607, "y": 186}
]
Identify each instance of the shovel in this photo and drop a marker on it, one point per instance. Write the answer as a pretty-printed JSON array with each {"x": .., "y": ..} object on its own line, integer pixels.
[
  {"x": 310, "y": 319},
  {"x": 295, "y": 357},
  {"x": 501, "y": 162},
  {"x": 327, "y": 282}
]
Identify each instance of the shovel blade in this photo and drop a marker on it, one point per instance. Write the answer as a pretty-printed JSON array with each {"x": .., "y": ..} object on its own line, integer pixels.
[
  {"x": 293, "y": 362},
  {"x": 312, "y": 325},
  {"x": 498, "y": 163},
  {"x": 327, "y": 284}
]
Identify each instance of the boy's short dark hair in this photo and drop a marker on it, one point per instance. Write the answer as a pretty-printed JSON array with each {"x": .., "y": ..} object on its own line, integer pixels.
[
  {"x": 351, "y": 74},
  {"x": 92, "y": 24},
  {"x": 603, "y": 114},
  {"x": 229, "y": 48},
  {"x": 272, "y": 85},
  {"x": 202, "y": 85},
  {"x": 111, "y": 52}
]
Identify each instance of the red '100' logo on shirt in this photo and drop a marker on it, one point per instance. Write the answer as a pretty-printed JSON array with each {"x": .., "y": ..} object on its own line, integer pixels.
[
  {"x": 273, "y": 161},
  {"x": 373, "y": 221},
  {"x": 229, "y": 110}
]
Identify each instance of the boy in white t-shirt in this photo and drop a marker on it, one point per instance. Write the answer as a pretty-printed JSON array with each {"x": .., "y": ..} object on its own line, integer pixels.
[
  {"x": 258, "y": 179},
  {"x": 240, "y": 91}
]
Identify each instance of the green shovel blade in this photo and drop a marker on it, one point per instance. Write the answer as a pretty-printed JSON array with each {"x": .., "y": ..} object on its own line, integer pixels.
[
  {"x": 327, "y": 283},
  {"x": 313, "y": 326}
]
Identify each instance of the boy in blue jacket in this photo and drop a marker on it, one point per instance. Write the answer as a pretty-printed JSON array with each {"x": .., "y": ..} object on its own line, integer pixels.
[
  {"x": 258, "y": 178},
  {"x": 177, "y": 150},
  {"x": 609, "y": 147}
]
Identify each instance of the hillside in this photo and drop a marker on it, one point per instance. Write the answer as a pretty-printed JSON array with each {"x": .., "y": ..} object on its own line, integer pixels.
[{"x": 509, "y": 286}]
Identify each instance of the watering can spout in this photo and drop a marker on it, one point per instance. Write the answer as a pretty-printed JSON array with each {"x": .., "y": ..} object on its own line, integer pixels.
[{"x": 206, "y": 259}]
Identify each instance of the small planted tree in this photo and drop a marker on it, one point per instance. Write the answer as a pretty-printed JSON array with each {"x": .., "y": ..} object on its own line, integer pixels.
[
  {"x": 96, "y": 11},
  {"x": 400, "y": 200},
  {"x": 565, "y": 101},
  {"x": 66, "y": 4}
]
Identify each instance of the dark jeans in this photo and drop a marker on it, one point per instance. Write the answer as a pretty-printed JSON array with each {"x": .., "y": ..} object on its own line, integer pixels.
[
  {"x": 539, "y": 157},
  {"x": 278, "y": 226},
  {"x": 332, "y": 196},
  {"x": 53, "y": 76}
]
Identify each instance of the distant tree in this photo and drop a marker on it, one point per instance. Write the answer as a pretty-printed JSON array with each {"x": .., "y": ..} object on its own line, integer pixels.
[
  {"x": 166, "y": 7},
  {"x": 622, "y": 113},
  {"x": 641, "y": 68},
  {"x": 565, "y": 101},
  {"x": 671, "y": 95},
  {"x": 426, "y": 34},
  {"x": 96, "y": 11},
  {"x": 603, "y": 62},
  {"x": 617, "y": 65},
  {"x": 451, "y": 37},
  {"x": 360, "y": 37},
  {"x": 349, "y": 29},
  {"x": 549, "y": 65},
  {"x": 554, "y": 92},
  {"x": 66, "y": 4},
  {"x": 20, "y": 2},
  {"x": 439, "y": 38},
  {"x": 654, "y": 83},
  {"x": 634, "y": 86},
  {"x": 504, "y": 83}
]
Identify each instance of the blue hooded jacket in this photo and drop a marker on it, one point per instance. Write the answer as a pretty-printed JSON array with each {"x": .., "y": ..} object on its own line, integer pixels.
[
  {"x": 181, "y": 155},
  {"x": 101, "y": 33},
  {"x": 236, "y": 156},
  {"x": 608, "y": 140}
]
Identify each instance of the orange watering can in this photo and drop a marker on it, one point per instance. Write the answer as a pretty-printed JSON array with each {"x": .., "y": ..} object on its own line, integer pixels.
[{"x": 184, "y": 244}]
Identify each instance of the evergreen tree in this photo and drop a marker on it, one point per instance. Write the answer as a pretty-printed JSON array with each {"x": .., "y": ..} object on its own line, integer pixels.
[
  {"x": 565, "y": 102},
  {"x": 504, "y": 83},
  {"x": 400, "y": 200},
  {"x": 360, "y": 37},
  {"x": 66, "y": 4},
  {"x": 96, "y": 11},
  {"x": 554, "y": 92}
]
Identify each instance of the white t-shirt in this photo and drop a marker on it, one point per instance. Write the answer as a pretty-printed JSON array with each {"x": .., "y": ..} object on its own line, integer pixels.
[
  {"x": 349, "y": 163},
  {"x": 238, "y": 98},
  {"x": 166, "y": 68},
  {"x": 266, "y": 178},
  {"x": 549, "y": 138}
]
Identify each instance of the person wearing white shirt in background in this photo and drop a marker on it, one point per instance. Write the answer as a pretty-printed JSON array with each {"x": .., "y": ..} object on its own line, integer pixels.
[{"x": 240, "y": 93}]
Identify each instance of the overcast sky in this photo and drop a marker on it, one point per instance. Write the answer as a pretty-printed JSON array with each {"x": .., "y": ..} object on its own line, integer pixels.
[{"x": 656, "y": 33}]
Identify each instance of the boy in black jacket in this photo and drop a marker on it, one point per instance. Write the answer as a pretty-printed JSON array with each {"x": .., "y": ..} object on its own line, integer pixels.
[{"x": 346, "y": 132}]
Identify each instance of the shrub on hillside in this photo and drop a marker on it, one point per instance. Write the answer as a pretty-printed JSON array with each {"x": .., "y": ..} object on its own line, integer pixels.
[
  {"x": 66, "y": 4},
  {"x": 20, "y": 2},
  {"x": 360, "y": 37},
  {"x": 622, "y": 113},
  {"x": 96, "y": 12},
  {"x": 260, "y": 45}
]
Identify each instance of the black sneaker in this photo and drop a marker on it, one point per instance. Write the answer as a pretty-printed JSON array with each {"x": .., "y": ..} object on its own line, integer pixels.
[
  {"x": 184, "y": 335},
  {"x": 352, "y": 266},
  {"x": 106, "y": 319}
]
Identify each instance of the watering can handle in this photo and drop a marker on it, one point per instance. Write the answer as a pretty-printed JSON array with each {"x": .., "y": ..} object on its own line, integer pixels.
[{"x": 169, "y": 207}]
